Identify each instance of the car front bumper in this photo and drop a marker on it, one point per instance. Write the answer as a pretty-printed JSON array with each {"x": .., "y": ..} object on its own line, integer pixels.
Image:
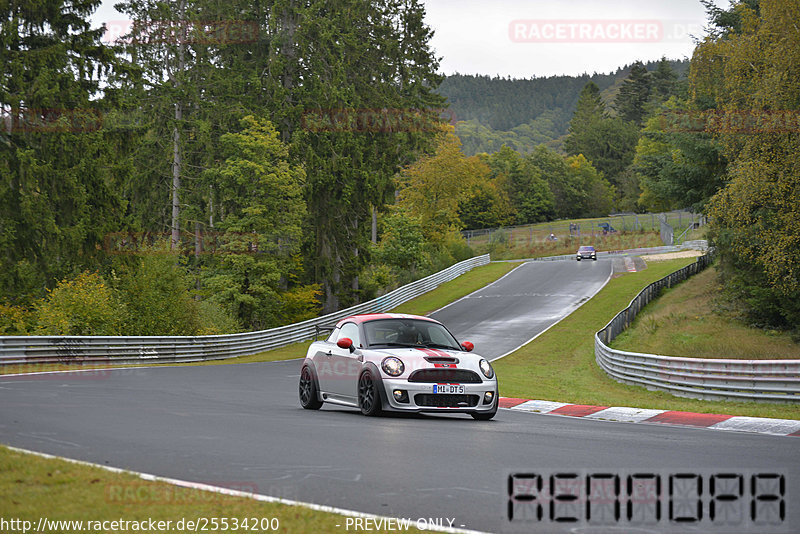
[{"x": 421, "y": 398}]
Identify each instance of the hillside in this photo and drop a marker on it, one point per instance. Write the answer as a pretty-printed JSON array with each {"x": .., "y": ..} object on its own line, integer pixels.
[{"x": 522, "y": 113}]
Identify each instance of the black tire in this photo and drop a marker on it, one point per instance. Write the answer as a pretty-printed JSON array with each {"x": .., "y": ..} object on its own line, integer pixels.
[
  {"x": 578, "y": 259},
  {"x": 369, "y": 399},
  {"x": 595, "y": 259},
  {"x": 309, "y": 392}
]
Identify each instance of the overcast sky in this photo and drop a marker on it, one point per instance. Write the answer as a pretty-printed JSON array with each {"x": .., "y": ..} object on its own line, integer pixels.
[{"x": 526, "y": 38}]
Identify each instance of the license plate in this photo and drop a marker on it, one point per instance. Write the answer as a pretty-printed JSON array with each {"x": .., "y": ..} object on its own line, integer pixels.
[{"x": 448, "y": 388}]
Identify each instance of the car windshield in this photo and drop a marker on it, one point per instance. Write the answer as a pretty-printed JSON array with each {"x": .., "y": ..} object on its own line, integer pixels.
[
  {"x": 408, "y": 333},
  {"x": 586, "y": 249}
]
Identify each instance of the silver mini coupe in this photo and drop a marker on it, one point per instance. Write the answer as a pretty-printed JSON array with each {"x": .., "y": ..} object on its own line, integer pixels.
[{"x": 400, "y": 363}]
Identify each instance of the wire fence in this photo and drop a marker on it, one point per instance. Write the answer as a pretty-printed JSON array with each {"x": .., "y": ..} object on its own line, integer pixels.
[
  {"x": 24, "y": 350},
  {"x": 702, "y": 378},
  {"x": 560, "y": 230}
]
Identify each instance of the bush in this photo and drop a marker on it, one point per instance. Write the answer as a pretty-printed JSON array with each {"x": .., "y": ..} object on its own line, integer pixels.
[
  {"x": 458, "y": 247},
  {"x": 377, "y": 280},
  {"x": 214, "y": 320},
  {"x": 84, "y": 306},
  {"x": 403, "y": 243},
  {"x": 155, "y": 292},
  {"x": 15, "y": 320},
  {"x": 300, "y": 303}
]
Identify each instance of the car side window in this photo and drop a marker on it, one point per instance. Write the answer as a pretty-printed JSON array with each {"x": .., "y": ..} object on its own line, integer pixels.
[{"x": 350, "y": 330}]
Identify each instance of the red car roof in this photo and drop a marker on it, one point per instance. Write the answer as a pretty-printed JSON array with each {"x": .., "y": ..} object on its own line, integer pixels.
[{"x": 358, "y": 319}]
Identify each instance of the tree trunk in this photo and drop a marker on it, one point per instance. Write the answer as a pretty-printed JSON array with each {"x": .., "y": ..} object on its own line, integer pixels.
[
  {"x": 374, "y": 225},
  {"x": 176, "y": 148},
  {"x": 176, "y": 182}
]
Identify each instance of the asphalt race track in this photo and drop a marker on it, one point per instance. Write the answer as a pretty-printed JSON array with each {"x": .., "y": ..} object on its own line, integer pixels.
[
  {"x": 504, "y": 315},
  {"x": 242, "y": 426}
]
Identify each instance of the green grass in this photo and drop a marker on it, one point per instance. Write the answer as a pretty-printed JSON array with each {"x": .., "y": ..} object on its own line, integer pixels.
[
  {"x": 560, "y": 364},
  {"x": 32, "y": 487},
  {"x": 682, "y": 322}
]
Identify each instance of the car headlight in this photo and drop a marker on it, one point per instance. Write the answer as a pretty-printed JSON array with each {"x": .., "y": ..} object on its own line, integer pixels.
[
  {"x": 486, "y": 369},
  {"x": 393, "y": 366}
]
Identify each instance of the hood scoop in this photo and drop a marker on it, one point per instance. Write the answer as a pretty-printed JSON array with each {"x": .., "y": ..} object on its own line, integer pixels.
[{"x": 441, "y": 359}]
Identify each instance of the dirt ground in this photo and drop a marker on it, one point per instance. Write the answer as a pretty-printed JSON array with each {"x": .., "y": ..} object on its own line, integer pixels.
[{"x": 673, "y": 255}]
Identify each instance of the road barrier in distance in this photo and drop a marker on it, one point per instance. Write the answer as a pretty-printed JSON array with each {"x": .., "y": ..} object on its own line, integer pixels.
[
  {"x": 700, "y": 378},
  {"x": 25, "y": 350}
]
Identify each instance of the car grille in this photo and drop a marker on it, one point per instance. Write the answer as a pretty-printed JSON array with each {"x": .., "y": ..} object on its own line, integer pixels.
[
  {"x": 446, "y": 401},
  {"x": 444, "y": 375}
]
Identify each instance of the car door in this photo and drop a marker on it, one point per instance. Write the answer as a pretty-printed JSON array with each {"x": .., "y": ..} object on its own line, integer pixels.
[
  {"x": 323, "y": 362},
  {"x": 345, "y": 365}
]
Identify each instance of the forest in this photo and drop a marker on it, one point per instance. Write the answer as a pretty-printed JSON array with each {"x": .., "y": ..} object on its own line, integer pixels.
[
  {"x": 489, "y": 112},
  {"x": 237, "y": 166}
]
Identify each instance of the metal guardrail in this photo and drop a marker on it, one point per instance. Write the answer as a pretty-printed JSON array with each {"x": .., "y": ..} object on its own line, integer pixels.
[
  {"x": 711, "y": 379},
  {"x": 21, "y": 350}
]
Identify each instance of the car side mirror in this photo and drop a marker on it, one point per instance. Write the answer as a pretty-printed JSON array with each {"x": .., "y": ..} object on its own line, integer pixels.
[
  {"x": 467, "y": 346},
  {"x": 346, "y": 343}
]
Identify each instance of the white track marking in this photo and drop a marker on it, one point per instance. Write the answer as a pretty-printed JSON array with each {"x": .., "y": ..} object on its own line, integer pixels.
[{"x": 236, "y": 493}]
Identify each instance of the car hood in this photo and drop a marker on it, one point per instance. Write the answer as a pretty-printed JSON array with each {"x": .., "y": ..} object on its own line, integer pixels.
[{"x": 403, "y": 352}]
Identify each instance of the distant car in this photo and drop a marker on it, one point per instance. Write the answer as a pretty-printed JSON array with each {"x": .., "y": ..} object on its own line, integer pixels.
[
  {"x": 587, "y": 253},
  {"x": 399, "y": 363}
]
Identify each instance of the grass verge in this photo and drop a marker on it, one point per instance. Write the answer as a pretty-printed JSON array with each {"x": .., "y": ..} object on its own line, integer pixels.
[
  {"x": 32, "y": 487},
  {"x": 682, "y": 322},
  {"x": 560, "y": 364}
]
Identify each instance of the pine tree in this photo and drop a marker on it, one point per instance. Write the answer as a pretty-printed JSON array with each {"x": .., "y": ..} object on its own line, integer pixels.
[
  {"x": 634, "y": 94},
  {"x": 589, "y": 112},
  {"x": 664, "y": 79},
  {"x": 608, "y": 143},
  {"x": 371, "y": 60},
  {"x": 56, "y": 198}
]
